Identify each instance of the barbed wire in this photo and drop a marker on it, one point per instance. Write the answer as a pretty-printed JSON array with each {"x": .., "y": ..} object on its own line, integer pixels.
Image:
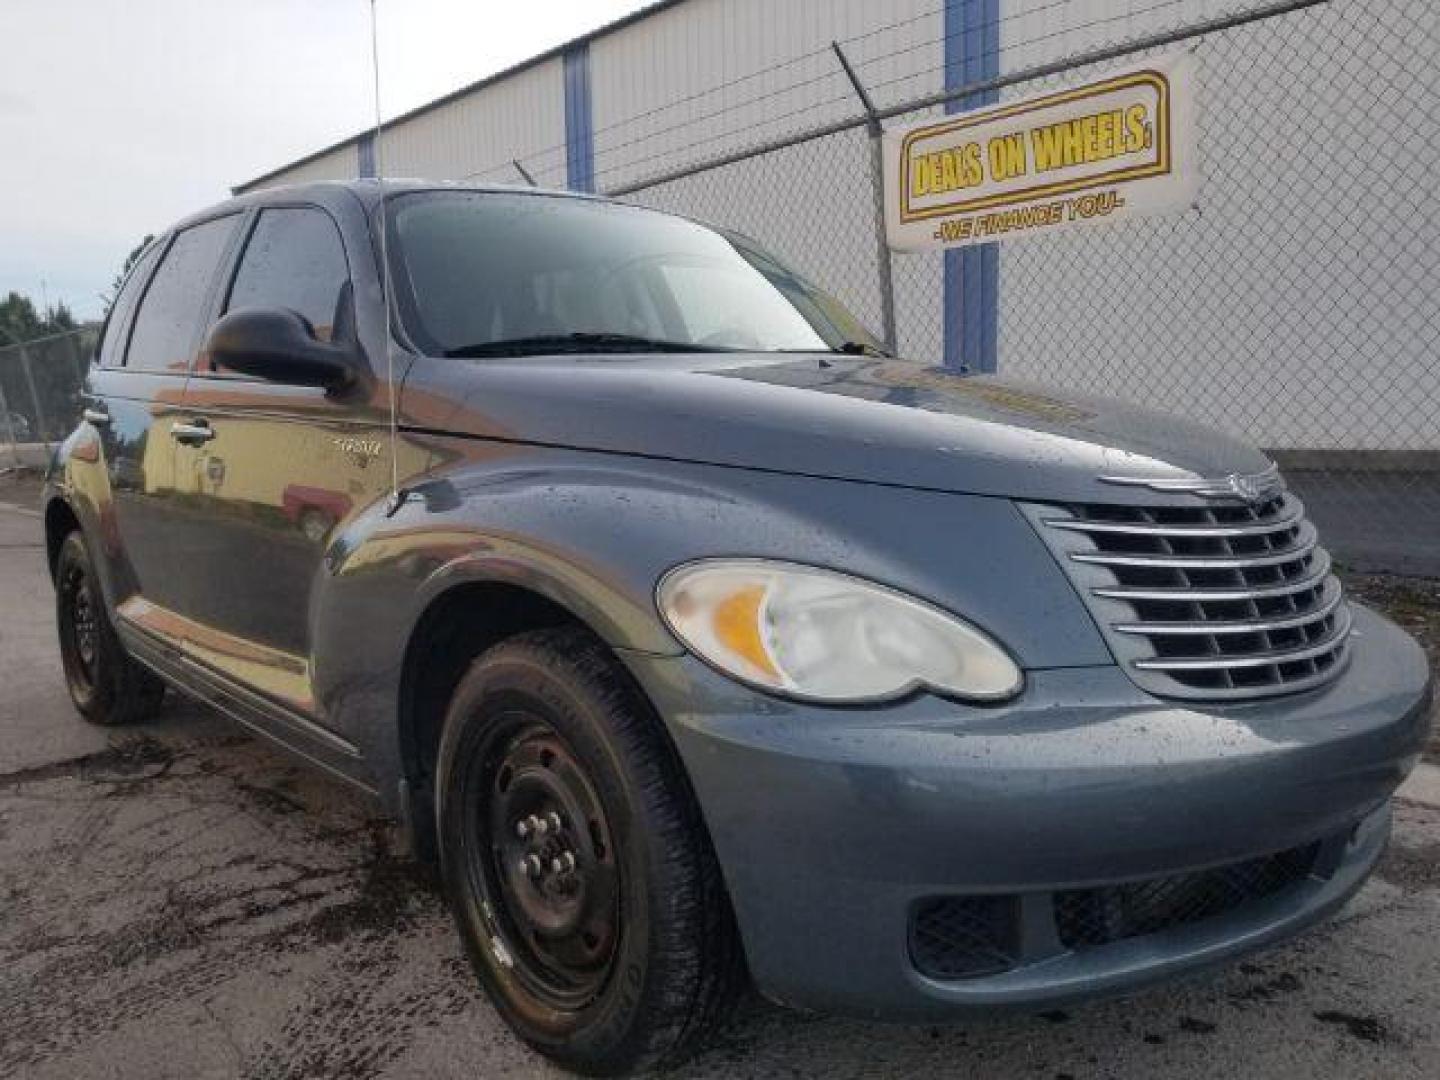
[
  {"x": 833, "y": 73},
  {"x": 1030, "y": 43},
  {"x": 80, "y": 331},
  {"x": 1107, "y": 51}
]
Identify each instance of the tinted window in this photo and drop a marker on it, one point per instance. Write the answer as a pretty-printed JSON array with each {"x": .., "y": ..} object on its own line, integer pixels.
[
  {"x": 476, "y": 269},
  {"x": 294, "y": 260},
  {"x": 169, "y": 317},
  {"x": 117, "y": 323}
]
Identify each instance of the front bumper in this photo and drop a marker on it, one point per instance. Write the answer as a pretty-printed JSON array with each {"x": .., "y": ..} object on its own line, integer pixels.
[{"x": 833, "y": 826}]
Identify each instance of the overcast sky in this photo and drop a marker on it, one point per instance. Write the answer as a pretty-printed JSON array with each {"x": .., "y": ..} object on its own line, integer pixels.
[{"x": 119, "y": 116}]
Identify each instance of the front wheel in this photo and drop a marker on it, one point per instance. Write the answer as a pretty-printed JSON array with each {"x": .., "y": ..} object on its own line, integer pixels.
[
  {"x": 576, "y": 862},
  {"x": 106, "y": 685}
]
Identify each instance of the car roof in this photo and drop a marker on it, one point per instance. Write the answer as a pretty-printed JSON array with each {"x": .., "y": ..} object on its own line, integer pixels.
[{"x": 327, "y": 193}]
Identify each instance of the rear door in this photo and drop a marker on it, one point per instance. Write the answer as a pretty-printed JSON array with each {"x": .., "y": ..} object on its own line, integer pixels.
[
  {"x": 282, "y": 468},
  {"x": 134, "y": 401}
]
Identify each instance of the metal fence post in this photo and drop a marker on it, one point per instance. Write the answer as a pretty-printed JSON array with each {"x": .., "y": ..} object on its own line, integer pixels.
[
  {"x": 77, "y": 354},
  {"x": 9, "y": 423},
  {"x": 877, "y": 181},
  {"x": 40, "y": 420}
]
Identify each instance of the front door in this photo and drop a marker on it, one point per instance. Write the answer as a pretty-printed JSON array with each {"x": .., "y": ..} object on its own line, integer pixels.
[
  {"x": 134, "y": 400},
  {"x": 276, "y": 471}
]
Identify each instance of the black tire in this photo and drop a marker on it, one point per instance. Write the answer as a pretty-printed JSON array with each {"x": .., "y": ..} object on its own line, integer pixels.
[
  {"x": 600, "y": 997},
  {"x": 106, "y": 685}
]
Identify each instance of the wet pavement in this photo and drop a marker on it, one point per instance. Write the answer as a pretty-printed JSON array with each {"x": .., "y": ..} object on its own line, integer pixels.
[{"x": 180, "y": 900}]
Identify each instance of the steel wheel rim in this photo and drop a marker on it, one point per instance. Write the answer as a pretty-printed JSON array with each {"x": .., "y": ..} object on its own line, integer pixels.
[
  {"x": 543, "y": 863},
  {"x": 82, "y": 626},
  {"x": 314, "y": 527}
]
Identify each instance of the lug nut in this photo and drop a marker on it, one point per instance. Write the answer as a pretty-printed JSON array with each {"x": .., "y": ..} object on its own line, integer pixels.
[
  {"x": 530, "y": 866},
  {"x": 539, "y": 824},
  {"x": 563, "y": 863},
  {"x": 522, "y": 829},
  {"x": 555, "y": 821}
]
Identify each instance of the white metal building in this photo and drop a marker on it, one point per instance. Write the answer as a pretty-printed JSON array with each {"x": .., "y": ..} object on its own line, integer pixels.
[{"x": 1290, "y": 305}]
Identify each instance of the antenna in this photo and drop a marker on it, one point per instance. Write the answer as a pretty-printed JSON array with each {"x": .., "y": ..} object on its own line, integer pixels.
[{"x": 396, "y": 499}]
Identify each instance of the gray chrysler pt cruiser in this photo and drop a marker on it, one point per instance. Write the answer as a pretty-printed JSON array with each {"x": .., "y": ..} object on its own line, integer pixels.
[{"x": 700, "y": 641}]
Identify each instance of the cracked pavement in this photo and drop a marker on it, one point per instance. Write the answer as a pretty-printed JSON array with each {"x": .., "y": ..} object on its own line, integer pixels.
[{"x": 181, "y": 900}]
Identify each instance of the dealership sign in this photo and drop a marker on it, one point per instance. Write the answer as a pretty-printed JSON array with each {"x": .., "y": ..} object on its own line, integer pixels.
[{"x": 1115, "y": 148}]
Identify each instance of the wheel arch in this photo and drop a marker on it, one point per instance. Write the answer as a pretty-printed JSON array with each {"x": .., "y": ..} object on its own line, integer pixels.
[
  {"x": 60, "y": 521},
  {"x": 455, "y": 627}
]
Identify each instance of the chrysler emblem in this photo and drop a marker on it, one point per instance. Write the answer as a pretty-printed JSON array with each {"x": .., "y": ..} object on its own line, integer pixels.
[
  {"x": 1252, "y": 488},
  {"x": 1244, "y": 487}
]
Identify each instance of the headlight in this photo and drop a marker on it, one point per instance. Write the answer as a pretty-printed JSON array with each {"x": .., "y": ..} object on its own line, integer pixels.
[{"x": 826, "y": 636}]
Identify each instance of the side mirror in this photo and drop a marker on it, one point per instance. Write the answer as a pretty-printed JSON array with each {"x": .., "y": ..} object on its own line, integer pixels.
[{"x": 277, "y": 345}]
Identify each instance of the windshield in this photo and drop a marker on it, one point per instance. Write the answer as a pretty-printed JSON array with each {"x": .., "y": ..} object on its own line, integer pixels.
[{"x": 500, "y": 273}]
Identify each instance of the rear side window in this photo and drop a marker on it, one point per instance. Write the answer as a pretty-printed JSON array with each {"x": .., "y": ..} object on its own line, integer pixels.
[
  {"x": 117, "y": 323},
  {"x": 170, "y": 315},
  {"x": 294, "y": 260}
]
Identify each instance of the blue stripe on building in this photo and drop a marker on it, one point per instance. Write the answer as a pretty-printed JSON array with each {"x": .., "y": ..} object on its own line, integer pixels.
[
  {"x": 365, "y": 156},
  {"x": 972, "y": 274},
  {"x": 579, "y": 126}
]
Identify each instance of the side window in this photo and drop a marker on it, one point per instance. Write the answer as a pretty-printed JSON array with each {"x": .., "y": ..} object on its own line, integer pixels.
[
  {"x": 117, "y": 323},
  {"x": 165, "y": 328},
  {"x": 294, "y": 260}
]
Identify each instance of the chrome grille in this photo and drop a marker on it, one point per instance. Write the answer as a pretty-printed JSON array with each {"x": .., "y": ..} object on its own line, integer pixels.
[{"x": 1217, "y": 601}]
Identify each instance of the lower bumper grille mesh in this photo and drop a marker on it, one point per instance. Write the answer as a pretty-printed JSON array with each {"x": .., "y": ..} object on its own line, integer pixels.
[
  {"x": 958, "y": 937},
  {"x": 1086, "y": 918},
  {"x": 962, "y": 937}
]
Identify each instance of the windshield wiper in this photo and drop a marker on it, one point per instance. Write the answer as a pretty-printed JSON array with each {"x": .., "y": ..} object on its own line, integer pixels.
[
  {"x": 860, "y": 348},
  {"x": 576, "y": 342},
  {"x": 845, "y": 348}
]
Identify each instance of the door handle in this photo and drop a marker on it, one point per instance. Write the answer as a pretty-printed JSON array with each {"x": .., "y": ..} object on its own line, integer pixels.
[
  {"x": 98, "y": 417},
  {"x": 193, "y": 433}
]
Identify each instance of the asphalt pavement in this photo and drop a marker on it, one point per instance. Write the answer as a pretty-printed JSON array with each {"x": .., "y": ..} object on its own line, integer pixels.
[
  {"x": 1375, "y": 521},
  {"x": 180, "y": 900}
]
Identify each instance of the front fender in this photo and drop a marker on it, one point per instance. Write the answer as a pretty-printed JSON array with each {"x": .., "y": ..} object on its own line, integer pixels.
[
  {"x": 595, "y": 532},
  {"x": 77, "y": 480}
]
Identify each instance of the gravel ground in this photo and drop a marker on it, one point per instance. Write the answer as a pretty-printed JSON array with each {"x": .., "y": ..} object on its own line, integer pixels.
[{"x": 187, "y": 903}]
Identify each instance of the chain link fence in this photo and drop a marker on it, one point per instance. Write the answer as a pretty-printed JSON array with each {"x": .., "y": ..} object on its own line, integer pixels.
[
  {"x": 1295, "y": 305},
  {"x": 40, "y": 400}
]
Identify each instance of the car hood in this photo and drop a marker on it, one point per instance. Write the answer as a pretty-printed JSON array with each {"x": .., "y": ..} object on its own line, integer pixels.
[{"x": 848, "y": 418}]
